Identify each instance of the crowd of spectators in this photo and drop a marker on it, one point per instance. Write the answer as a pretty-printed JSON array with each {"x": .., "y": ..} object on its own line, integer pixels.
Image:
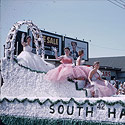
[{"x": 119, "y": 85}]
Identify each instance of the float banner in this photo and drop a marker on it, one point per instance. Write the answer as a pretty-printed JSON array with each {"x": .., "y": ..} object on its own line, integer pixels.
[
  {"x": 87, "y": 110},
  {"x": 76, "y": 45}
]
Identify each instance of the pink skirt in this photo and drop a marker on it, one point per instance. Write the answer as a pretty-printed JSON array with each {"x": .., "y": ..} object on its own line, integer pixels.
[
  {"x": 103, "y": 88},
  {"x": 61, "y": 73},
  {"x": 81, "y": 72}
]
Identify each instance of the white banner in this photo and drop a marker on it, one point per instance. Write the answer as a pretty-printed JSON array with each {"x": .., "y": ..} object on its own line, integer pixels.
[{"x": 86, "y": 110}]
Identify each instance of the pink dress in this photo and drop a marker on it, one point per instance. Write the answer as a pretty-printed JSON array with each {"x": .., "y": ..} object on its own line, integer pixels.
[
  {"x": 81, "y": 71},
  {"x": 62, "y": 72},
  {"x": 102, "y": 88}
]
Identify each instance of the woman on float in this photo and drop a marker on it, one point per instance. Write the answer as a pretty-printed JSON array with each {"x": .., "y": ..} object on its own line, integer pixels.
[
  {"x": 30, "y": 60},
  {"x": 101, "y": 88},
  {"x": 81, "y": 72},
  {"x": 64, "y": 70}
]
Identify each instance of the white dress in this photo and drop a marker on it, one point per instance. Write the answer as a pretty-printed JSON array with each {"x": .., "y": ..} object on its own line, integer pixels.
[
  {"x": 33, "y": 61},
  {"x": 81, "y": 61}
]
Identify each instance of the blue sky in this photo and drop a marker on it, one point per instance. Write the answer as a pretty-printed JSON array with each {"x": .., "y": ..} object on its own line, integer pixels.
[{"x": 97, "y": 20}]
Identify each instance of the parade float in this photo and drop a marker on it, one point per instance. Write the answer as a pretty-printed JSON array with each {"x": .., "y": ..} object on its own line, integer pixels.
[{"x": 28, "y": 99}]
